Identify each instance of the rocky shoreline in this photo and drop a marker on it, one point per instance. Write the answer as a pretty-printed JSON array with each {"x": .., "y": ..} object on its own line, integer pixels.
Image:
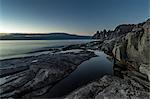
[
  {"x": 127, "y": 44},
  {"x": 111, "y": 87},
  {"x": 130, "y": 50},
  {"x": 36, "y": 74}
]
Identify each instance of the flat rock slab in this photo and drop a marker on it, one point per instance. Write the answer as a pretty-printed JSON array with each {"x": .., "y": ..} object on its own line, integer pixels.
[{"x": 25, "y": 75}]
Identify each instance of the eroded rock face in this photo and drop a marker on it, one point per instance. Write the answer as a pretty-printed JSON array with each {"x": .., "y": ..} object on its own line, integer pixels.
[
  {"x": 109, "y": 87},
  {"x": 135, "y": 48},
  {"x": 41, "y": 73}
]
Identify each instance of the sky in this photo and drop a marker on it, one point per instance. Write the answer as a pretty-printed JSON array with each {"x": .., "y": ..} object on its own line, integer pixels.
[{"x": 82, "y": 17}]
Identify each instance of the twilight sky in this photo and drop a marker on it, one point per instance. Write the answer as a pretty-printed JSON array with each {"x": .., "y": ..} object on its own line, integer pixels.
[{"x": 72, "y": 16}]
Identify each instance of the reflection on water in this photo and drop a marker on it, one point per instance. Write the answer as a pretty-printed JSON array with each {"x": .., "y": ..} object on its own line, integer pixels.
[
  {"x": 10, "y": 48},
  {"x": 87, "y": 71}
]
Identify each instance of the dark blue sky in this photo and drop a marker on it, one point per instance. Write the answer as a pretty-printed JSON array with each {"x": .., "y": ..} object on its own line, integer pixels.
[{"x": 72, "y": 16}]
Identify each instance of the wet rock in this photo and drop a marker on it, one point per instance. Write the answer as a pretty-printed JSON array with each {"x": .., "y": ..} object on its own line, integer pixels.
[
  {"x": 12, "y": 70},
  {"x": 43, "y": 71}
]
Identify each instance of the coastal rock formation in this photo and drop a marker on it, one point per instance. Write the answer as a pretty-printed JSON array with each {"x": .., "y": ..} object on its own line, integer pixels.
[
  {"x": 130, "y": 47},
  {"x": 135, "y": 48},
  {"x": 108, "y": 46},
  {"x": 128, "y": 44},
  {"x": 120, "y": 30},
  {"x": 41, "y": 72},
  {"x": 111, "y": 87}
]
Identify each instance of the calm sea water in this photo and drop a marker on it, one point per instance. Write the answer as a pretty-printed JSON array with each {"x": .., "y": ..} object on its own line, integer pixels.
[{"x": 10, "y": 48}]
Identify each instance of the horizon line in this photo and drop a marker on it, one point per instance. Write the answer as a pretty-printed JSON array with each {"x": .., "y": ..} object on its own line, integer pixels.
[{"x": 35, "y": 33}]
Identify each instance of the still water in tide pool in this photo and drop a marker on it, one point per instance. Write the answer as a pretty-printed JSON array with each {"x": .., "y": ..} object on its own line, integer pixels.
[{"x": 86, "y": 72}]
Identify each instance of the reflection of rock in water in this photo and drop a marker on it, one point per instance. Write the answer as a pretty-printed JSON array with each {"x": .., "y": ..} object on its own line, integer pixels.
[{"x": 112, "y": 87}]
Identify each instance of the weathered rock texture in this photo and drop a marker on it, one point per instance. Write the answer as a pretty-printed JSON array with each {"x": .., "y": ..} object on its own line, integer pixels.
[
  {"x": 134, "y": 49},
  {"x": 111, "y": 88},
  {"x": 130, "y": 47},
  {"x": 129, "y": 44},
  {"x": 39, "y": 73}
]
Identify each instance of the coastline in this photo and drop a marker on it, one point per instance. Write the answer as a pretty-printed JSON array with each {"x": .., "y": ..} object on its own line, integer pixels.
[
  {"x": 78, "y": 50},
  {"x": 131, "y": 77},
  {"x": 37, "y": 69},
  {"x": 10, "y": 49}
]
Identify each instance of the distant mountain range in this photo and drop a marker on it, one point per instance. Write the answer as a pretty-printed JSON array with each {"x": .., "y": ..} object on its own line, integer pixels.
[{"x": 48, "y": 36}]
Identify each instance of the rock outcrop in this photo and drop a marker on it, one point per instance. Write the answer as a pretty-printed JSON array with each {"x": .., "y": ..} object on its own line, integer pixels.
[
  {"x": 110, "y": 87},
  {"x": 130, "y": 47},
  {"x": 37, "y": 74},
  {"x": 134, "y": 49},
  {"x": 120, "y": 30},
  {"x": 128, "y": 44}
]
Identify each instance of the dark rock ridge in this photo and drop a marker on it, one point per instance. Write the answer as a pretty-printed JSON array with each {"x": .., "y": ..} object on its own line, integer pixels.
[
  {"x": 36, "y": 74},
  {"x": 120, "y": 30}
]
